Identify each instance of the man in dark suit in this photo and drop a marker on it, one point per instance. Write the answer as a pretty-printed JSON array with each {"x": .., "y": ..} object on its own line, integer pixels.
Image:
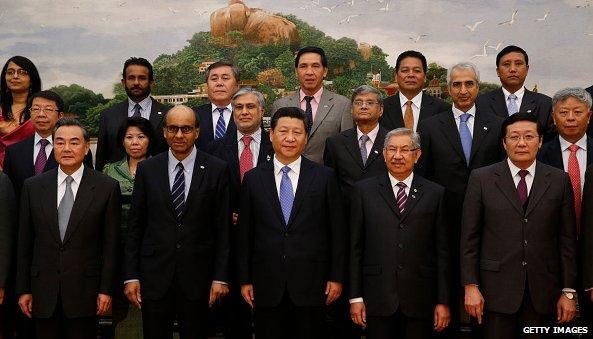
[
  {"x": 328, "y": 112},
  {"x": 512, "y": 66},
  {"x": 291, "y": 238},
  {"x": 410, "y": 105},
  {"x": 177, "y": 251},
  {"x": 590, "y": 128},
  {"x": 399, "y": 251},
  {"x": 453, "y": 144},
  {"x": 68, "y": 239},
  {"x": 137, "y": 79},
  {"x": 8, "y": 231},
  {"x": 215, "y": 117},
  {"x": 518, "y": 239},
  {"x": 587, "y": 235}
]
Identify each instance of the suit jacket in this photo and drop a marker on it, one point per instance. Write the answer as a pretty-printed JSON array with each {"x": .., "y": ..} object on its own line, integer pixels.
[
  {"x": 342, "y": 153},
  {"x": 504, "y": 247},
  {"x": 590, "y": 128},
  {"x": 81, "y": 266},
  {"x": 392, "y": 117},
  {"x": 108, "y": 149},
  {"x": 7, "y": 231},
  {"x": 394, "y": 255},
  {"x": 206, "y": 136},
  {"x": 299, "y": 257},
  {"x": 333, "y": 116},
  {"x": 586, "y": 236},
  {"x": 193, "y": 249},
  {"x": 551, "y": 154},
  {"x": 19, "y": 164}
]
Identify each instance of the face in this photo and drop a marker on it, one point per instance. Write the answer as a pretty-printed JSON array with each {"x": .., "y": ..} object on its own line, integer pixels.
[
  {"x": 17, "y": 78},
  {"x": 366, "y": 109},
  {"x": 410, "y": 75},
  {"x": 571, "y": 117},
  {"x": 221, "y": 85},
  {"x": 136, "y": 82},
  {"x": 70, "y": 148},
  {"x": 400, "y": 156},
  {"x": 521, "y": 143},
  {"x": 180, "y": 131},
  {"x": 247, "y": 113},
  {"x": 310, "y": 72},
  {"x": 136, "y": 143},
  {"x": 288, "y": 138},
  {"x": 512, "y": 70},
  {"x": 44, "y": 115},
  {"x": 463, "y": 88}
]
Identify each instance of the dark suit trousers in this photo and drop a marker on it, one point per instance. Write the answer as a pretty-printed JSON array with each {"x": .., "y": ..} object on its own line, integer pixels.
[
  {"x": 288, "y": 321},
  {"x": 60, "y": 327},
  {"x": 398, "y": 326},
  {"x": 339, "y": 322}
]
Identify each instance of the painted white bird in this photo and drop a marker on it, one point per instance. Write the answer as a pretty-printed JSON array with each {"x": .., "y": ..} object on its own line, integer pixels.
[
  {"x": 200, "y": 13},
  {"x": 417, "y": 37},
  {"x": 315, "y": 2},
  {"x": 474, "y": 26},
  {"x": 495, "y": 47},
  {"x": 544, "y": 17},
  {"x": 330, "y": 9},
  {"x": 173, "y": 10},
  {"x": 386, "y": 8},
  {"x": 510, "y": 22},
  {"x": 348, "y": 18},
  {"x": 484, "y": 54},
  {"x": 589, "y": 34},
  {"x": 122, "y": 4}
]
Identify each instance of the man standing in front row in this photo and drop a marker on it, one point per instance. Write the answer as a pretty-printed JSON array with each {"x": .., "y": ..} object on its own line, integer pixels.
[
  {"x": 177, "y": 251},
  {"x": 518, "y": 239},
  {"x": 68, "y": 238},
  {"x": 291, "y": 236},
  {"x": 399, "y": 251}
]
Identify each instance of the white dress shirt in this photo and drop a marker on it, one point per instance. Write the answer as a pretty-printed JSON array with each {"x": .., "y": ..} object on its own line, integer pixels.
[
  {"x": 581, "y": 156},
  {"x": 145, "y": 107},
  {"x": 372, "y": 136},
  {"x": 416, "y": 102},
  {"x": 37, "y": 146},
  {"x": 188, "y": 169},
  {"x": 528, "y": 178},
  {"x": 77, "y": 176},
  {"x": 293, "y": 174},
  {"x": 519, "y": 99},
  {"x": 254, "y": 145},
  {"x": 227, "y": 114},
  {"x": 470, "y": 122}
]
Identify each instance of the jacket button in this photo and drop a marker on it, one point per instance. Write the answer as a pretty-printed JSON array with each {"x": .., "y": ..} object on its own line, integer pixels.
[
  {"x": 400, "y": 266},
  {"x": 401, "y": 226},
  {"x": 401, "y": 246},
  {"x": 284, "y": 257},
  {"x": 285, "y": 235},
  {"x": 178, "y": 246},
  {"x": 525, "y": 220},
  {"x": 524, "y": 263}
]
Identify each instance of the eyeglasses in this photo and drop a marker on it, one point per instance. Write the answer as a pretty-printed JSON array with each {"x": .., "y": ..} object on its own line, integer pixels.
[
  {"x": 404, "y": 150},
  {"x": 360, "y": 103},
  {"x": 20, "y": 72},
  {"x": 174, "y": 129},
  {"x": 46, "y": 110},
  {"x": 527, "y": 138}
]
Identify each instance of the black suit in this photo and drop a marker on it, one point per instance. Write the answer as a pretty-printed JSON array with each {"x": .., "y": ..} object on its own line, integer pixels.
[
  {"x": 108, "y": 148},
  {"x": 176, "y": 260},
  {"x": 399, "y": 262},
  {"x": 393, "y": 118},
  {"x": 590, "y": 128},
  {"x": 587, "y": 230},
  {"x": 289, "y": 265},
  {"x": 8, "y": 231},
  {"x": 551, "y": 154},
  {"x": 65, "y": 276},
  {"x": 206, "y": 136}
]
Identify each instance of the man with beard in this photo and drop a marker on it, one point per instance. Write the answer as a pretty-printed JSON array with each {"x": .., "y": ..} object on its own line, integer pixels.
[{"x": 137, "y": 79}]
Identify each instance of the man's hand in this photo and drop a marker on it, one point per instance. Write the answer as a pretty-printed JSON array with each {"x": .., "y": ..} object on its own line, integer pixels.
[
  {"x": 132, "y": 292},
  {"x": 442, "y": 316},
  {"x": 358, "y": 314},
  {"x": 474, "y": 302},
  {"x": 566, "y": 309},
  {"x": 217, "y": 291},
  {"x": 26, "y": 304},
  {"x": 333, "y": 291},
  {"x": 247, "y": 293},
  {"x": 1, "y": 295},
  {"x": 103, "y": 304},
  {"x": 235, "y": 218}
]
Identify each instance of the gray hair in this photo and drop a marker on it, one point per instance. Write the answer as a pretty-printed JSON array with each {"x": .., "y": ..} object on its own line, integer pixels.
[
  {"x": 463, "y": 66},
  {"x": 364, "y": 89},
  {"x": 573, "y": 92},
  {"x": 63, "y": 122},
  {"x": 415, "y": 136},
  {"x": 247, "y": 90},
  {"x": 218, "y": 64}
]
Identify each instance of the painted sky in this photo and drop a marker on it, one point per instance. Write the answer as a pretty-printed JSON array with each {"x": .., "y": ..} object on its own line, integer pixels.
[{"x": 86, "y": 42}]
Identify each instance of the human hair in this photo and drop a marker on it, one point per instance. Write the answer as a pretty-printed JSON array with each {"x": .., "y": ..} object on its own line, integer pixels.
[
  {"x": 71, "y": 122},
  {"x": 290, "y": 112},
  {"x": 415, "y": 136},
  {"x": 48, "y": 95},
  {"x": 411, "y": 54},
  {"x": 573, "y": 92},
  {"x": 311, "y": 49},
  {"x": 463, "y": 66},
  {"x": 143, "y": 125},
  {"x": 246, "y": 90},
  {"x": 6, "y": 99},
  {"x": 511, "y": 49},
  {"x": 520, "y": 116},
  {"x": 217, "y": 64},
  {"x": 364, "y": 89},
  {"x": 138, "y": 62}
]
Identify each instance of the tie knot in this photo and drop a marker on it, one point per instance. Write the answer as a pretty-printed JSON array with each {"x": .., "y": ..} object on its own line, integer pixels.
[
  {"x": 246, "y": 140},
  {"x": 364, "y": 138},
  {"x": 308, "y": 98},
  {"x": 573, "y": 148},
  {"x": 512, "y": 97},
  {"x": 409, "y": 103},
  {"x": 523, "y": 173},
  {"x": 285, "y": 169},
  {"x": 179, "y": 166},
  {"x": 44, "y": 142},
  {"x": 464, "y": 117},
  {"x": 69, "y": 180},
  {"x": 401, "y": 185},
  {"x": 220, "y": 109}
]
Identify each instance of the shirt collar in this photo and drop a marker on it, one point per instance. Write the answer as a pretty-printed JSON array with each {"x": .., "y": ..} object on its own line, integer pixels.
[
  {"x": 582, "y": 143},
  {"x": 407, "y": 181},
  {"x": 187, "y": 163},
  {"x": 519, "y": 93},
  {"x": 316, "y": 96},
  {"x": 228, "y": 107},
  {"x": 515, "y": 170},
  {"x": 38, "y": 137},
  {"x": 294, "y": 166},
  {"x": 417, "y": 100},
  {"x": 77, "y": 175},
  {"x": 255, "y": 135},
  {"x": 457, "y": 112},
  {"x": 372, "y": 134},
  {"x": 143, "y": 104}
]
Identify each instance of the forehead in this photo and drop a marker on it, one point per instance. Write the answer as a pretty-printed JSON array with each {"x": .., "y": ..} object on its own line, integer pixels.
[
  {"x": 463, "y": 74},
  {"x": 13, "y": 65},
  {"x": 399, "y": 140},
  {"x": 522, "y": 126},
  {"x": 181, "y": 117},
  {"x": 137, "y": 70},
  {"x": 571, "y": 101},
  {"x": 288, "y": 122},
  {"x": 222, "y": 70},
  {"x": 43, "y": 102},
  {"x": 247, "y": 98},
  {"x": 512, "y": 56},
  {"x": 310, "y": 58},
  {"x": 69, "y": 132},
  {"x": 365, "y": 96},
  {"x": 410, "y": 62}
]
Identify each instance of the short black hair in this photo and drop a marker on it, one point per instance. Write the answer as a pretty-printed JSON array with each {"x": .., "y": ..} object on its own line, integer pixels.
[
  {"x": 144, "y": 126},
  {"x": 411, "y": 54},
  {"x": 521, "y": 116},
  {"x": 49, "y": 95},
  {"x": 511, "y": 49},
  {"x": 71, "y": 122},
  {"x": 138, "y": 62},
  {"x": 290, "y": 112},
  {"x": 5, "y": 93},
  {"x": 222, "y": 63},
  {"x": 311, "y": 49}
]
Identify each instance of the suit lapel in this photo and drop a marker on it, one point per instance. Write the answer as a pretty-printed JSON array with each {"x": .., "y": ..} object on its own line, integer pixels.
[
  {"x": 265, "y": 148},
  {"x": 163, "y": 170},
  {"x": 540, "y": 185},
  {"x": 426, "y": 107},
  {"x": 528, "y": 103},
  {"x": 505, "y": 183},
  {"x": 83, "y": 199},
  {"x": 323, "y": 109},
  {"x": 156, "y": 115},
  {"x": 306, "y": 177},
  {"x": 51, "y": 161},
  {"x": 206, "y": 123},
  {"x": 50, "y": 206},
  {"x": 376, "y": 150},
  {"x": 414, "y": 196},
  {"x": 269, "y": 186},
  {"x": 555, "y": 154},
  {"x": 481, "y": 129},
  {"x": 498, "y": 104},
  {"x": 28, "y": 165},
  {"x": 386, "y": 192},
  {"x": 589, "y": 150},
  {"x": 397, "y": 118},
  {"x": 351, "y": 143},
  {"x": 200, "y": 165},
  {"x": 449, "y": 128},
  {"x": 231, "y": 148}
]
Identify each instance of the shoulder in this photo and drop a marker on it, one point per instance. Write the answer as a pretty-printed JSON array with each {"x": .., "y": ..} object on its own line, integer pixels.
[
  {"x": 553, "y": 171},
  {"x": 205, "y": 108},
  {"x": 44, "y": 177},
  {"x": 212, "y": 161},
  {"x": 120, "y": 106},
  {"x": 539, "y": 96},
  {"x": 433, "y": 120},
  {"x": 338, "y": 98},
  {"x": 429, "y": 185},
  {"x": 340, "y": 137},
  {"x": 20, "y": 146},
  {"x": 109, "y": 168}
]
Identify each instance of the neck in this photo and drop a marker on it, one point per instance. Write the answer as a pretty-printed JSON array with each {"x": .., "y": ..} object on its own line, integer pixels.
[
  {"x": 249, "y": 131},
  {"x": 181, "y": 156},
  {"x": 523, "y": 164},
  {"x": 69, "y": 170},
  {"x": 220, "y": 103},
  {"x": 573, "y": 140},
  {"x": 401, "y": 176},
  {"x": 44, "y": 134},
  {"x": 20, "y": 97},
  {"x": 465, "y": 109},
  {"x": 285, "y": 160},
  {"x": 310, "y": 92},
  {"x": 133, "y": 164},
  {"x": 366, "y": 127},
  {"x": 138, "y": 99},
  {"x": 513, "y": 89},
  {"x": 409, "y": 95}
]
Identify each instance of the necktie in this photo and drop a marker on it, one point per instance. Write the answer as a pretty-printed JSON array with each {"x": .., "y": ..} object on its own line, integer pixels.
[
  {"x": 574, "y": 173},
  {"x": 178, "y": 191},
  {"x": 286, "y": 194},
  {"x": 136, "y": 111},
  {"x": 466, "y": 136},
  {"x": 363, "y": 148},
  {"x": 220, "y": 124},
  {"x": 309, "y": 112},
  {"x": 522, "y": 187},
  {"x": 512, "y": 106},
  {"x": 409, "y": 116},
  {"x": 65, "y": 207},
  {"x": 246, "y": 158},
  {"x": 401, "y": 197},
  {"x": 41, "y": 159}
]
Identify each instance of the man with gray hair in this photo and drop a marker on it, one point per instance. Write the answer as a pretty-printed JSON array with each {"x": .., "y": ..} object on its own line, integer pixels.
[{"x": 453, "y": 144}]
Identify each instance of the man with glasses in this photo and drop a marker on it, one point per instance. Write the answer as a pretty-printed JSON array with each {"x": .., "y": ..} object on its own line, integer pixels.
[
  {"x": 518, "y": 238},
  {"x": 177, "y": 251}
]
